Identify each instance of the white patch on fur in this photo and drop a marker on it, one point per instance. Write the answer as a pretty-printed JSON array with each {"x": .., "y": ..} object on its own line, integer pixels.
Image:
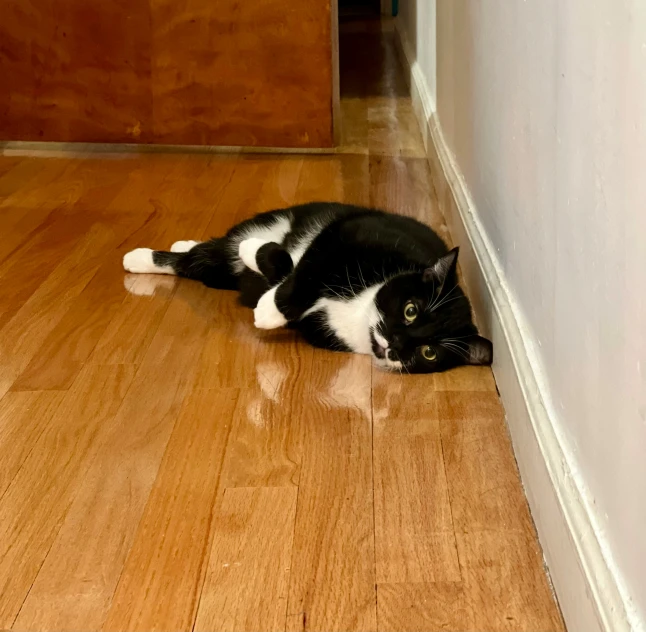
[
  {"x": 383, "y": 343},
  {"x": 247, "y": 251},
  {"x": 389, "y": 365},
  {"x": 297, "y": 250},
  {"x": 183, "y": 246},
  {"x": 266, "y": 314},
  {"x": 140, "y": 261},
  {"x": 275, "y": 232},
  {"x": 352, "y": 319}
]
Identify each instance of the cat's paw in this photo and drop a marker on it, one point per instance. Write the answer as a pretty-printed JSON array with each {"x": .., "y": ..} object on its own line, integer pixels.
[
  {"x": 266, "y": 314},
  {"x": 183, "y": 246},
  {"x": 139, "y": 261},
  {"x": 247, "y": 252}
]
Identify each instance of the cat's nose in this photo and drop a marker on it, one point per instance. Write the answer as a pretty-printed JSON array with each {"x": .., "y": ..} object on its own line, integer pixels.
[{"x": 397, "y": 342}]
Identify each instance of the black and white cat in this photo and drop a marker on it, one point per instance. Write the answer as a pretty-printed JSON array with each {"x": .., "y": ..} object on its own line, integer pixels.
[{"x": 348, "y": 278}]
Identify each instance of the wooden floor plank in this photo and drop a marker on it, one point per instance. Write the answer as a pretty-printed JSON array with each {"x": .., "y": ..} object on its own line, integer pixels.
[
  {"x": 87, "y": 190},
  {"x": 23, "y": 418},
  {"x": 22, "y": 337},
  {"x": 18, "y": 177},
  {"x": 71, "y": 342},
  {"x": 160, "y": 584},
  {"x": 414, "y": 539},
  {"x": 248, "y": 573},
  {"x": 332, "y": 585},
  {"x": 419, "y": 607},
  {"x": 265, "y": 446},
  {"x": 111, "y": 498},
  {"x": 505, "y": 587},
  {"x": 36, "y": 501},
  {"x": 7, "y": 163},
  {"x": 484, "y": 484},
  {"x": 465, "y": 378}
]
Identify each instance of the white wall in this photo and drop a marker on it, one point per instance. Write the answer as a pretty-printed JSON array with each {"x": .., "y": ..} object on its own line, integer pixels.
[
  {"x": 543, "y": 103},
  {"x": 416, "y": 22}
]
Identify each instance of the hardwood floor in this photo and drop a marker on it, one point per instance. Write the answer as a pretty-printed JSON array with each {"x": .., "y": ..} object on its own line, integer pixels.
[{"x": 164, "y": 466}]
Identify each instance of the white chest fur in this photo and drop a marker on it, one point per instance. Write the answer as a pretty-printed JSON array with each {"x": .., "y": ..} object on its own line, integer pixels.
[{"x": 351, "y": 320}]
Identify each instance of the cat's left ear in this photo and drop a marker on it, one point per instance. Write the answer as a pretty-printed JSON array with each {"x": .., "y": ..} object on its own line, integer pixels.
[
  {"x": 443, "y": 270},
  {"x": 480, "y": 351}
]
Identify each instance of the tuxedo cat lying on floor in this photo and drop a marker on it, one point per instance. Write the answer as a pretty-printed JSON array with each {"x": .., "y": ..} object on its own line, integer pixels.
[{"x": 348, "y": 278}]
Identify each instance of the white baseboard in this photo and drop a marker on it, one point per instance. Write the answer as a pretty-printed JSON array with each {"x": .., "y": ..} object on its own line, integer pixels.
[
  {"x": 421, "y": 95},
  {"x": 589, "y": 587}
]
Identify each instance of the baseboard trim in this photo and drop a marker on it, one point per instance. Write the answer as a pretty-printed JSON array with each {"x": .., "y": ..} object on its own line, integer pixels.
[
  {"x": 421, "y": 95},
  {"x": 589, "y": 587}
]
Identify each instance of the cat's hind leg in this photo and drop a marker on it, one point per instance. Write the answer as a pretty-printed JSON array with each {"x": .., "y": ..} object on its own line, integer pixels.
[
  {"x": 143, "y": 261},
  {"x": 206, "y": 262}
]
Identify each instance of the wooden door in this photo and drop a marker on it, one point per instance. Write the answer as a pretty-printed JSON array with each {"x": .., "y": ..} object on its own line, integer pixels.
[{"x": 187, "y": 72}]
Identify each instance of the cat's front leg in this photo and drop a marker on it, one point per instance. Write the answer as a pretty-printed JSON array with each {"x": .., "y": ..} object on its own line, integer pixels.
[
  {"x": 267, "y": 315},
  {"x": 286, "y": 302},
  {"x": 267, "y": 258}
]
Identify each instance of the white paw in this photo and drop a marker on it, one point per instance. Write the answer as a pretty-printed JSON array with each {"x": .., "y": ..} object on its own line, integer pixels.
[
  {"x": 247, "y": 252},
  {"x": 183, "y": 246},
  {"x": 266, "y": 314},
  {"x": 140, "y": 261}
]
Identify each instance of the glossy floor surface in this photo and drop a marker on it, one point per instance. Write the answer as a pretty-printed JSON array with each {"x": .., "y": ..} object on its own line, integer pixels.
[{"x": 164, "y": 466}]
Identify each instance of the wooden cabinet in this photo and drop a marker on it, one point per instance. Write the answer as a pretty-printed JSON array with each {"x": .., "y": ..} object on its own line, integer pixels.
[{"x": 187, "y": 72}]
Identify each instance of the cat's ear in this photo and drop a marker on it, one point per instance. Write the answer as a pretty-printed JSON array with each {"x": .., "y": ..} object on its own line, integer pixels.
[
  {"x": 480, "y": 351},
  {"x": 443, "y": 270}
]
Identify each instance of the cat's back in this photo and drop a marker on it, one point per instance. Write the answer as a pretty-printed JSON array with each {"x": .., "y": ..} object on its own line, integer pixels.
[{"x": 389, "y": 233}]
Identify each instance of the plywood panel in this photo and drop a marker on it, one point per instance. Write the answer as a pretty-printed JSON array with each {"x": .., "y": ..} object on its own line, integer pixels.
[
  {"x": 242, "y": 73},
  {"x": 75, "y": 70},
  {"x": 195, "y": 72}
]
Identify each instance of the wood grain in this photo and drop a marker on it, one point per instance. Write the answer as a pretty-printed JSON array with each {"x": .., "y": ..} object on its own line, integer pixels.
[
  {"x": 414, "y": 533},
  {"x": 265, "y": 446},
  {"x": 332, "y": 585},
  {"x": 161, "y": 72},
  {"x": 420, "y": 607},
  {"x": 23, "y": 418},
  {"x": 36, "y": 501},
  {"x": 111, "y": 498},
  {"x": 74, "y": 337},
  {"x": 484, "y": 484},
  {"x": 504, "y": 582},
  {"x": 178, "y": 513},
  {"x": 246, "y": 582}
]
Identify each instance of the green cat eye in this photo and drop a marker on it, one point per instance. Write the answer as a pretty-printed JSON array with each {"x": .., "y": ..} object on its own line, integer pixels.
[
  {"x": 410, "y": 311},
  {"x": 429, "y": 353}
]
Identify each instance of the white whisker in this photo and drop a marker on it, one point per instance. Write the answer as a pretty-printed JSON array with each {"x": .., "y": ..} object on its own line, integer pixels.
[{"x": 444, "y": 298}]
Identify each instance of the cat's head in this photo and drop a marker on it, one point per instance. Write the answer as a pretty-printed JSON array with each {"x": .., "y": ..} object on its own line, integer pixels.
[{"x": 426, "y": 324}]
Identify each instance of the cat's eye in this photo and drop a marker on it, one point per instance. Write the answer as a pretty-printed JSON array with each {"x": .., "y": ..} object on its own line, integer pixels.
[
  {"x": 410, "y": 311},
  {"x": 429, "y": 353}
]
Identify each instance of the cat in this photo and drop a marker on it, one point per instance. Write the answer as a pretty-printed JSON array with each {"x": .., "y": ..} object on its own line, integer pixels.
[{"x": 348, "y": 278}]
